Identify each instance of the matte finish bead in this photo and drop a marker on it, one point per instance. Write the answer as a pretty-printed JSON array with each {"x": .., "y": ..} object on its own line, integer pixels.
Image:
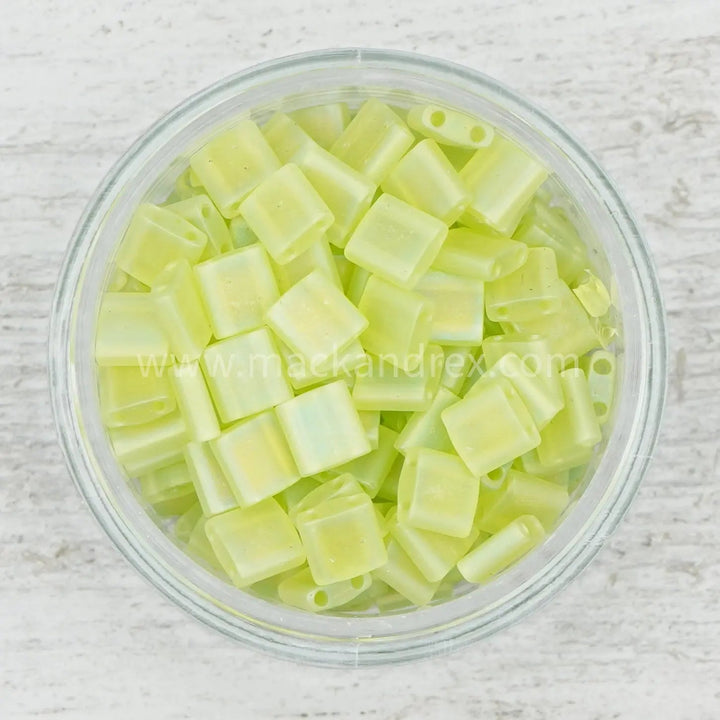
[
  {"x": 425, "y": 429},
  {"x": 155, "y": 237},
  {"x": 304, "y": 373},
  {"x": 479, "y": 255},
  {"x": 286, "y": 213},
  {"x": 303, "y": 592},
  {"x": 502, "y": 549},
  {"x": 237, "y": 288},
  {"x": 323, "y": 428},
  {"x": 593, "y": 295},
  {"x": 396, "y": 241},
  {"x": 459, "y": 361},
  {"x": 255, "y": 459},
  {"x": 180, "y": 311},
  {"x": 200, "y": 212},
  {"x": 292, "y": 495},
  {"x": 186, "y": 185},
  {"x": 244, "y": 374},
  {"x": 241, "y": 234},
  {"x": 374, "y": 141},
  {"x": 425, "y": 179},
  {"x": 401, "y": 574},
  {"x": 317, "y": 257},
  {"x": 344, "y": 485},
  {"x": 400, "y": 322},
  {"x": 211, "y": 485},
  {"x": 450, "y": 127},
  {"x": 233, "y": 164},
  {"x": 356, "y": 284},
  {"x": 389, "y": 486},
  {"x": 323, "y": 123},
  {"x": 169, "y": 489},
  {"x": 255, "y": 543},
  {"x": 601, "y": 370},
  {"x": 285, "y": 136},
  {"x": 530, "y": 348},
  {"x": 194, "y": 401},
  {"x": 200, "y": 549},
  {"x": 187, "y": 521},
  {"x": 371, "y": 422},
  {"x": 491, "y": 427}
]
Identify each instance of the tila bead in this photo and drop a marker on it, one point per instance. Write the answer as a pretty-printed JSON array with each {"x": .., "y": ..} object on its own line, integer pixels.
[
  {"x": 240, "y": 233},
  {"x": 168, "y": 489},
  {"x": 194, "y": 401},
  {"x": 323, "y": 123},
  {"x": 292, "y": 495},
  {"x": 425, "y": 429},
  {"x": 200, "y": 549},
  {"x": 301, "y": 591},
  {"x": 450, "y": 127},
  {"x": 200, "y": 211},
  {"x": 317, "y": 257},
  {"x": 530, "y": 348},
  {"x": 211, "y": 485},
  {"x": 593, "y": 294},
  {"x": 401, "y": 574},
  {"x": 601, "y": 370},
  {"x": 285, "y": 136},
  {"x": 371, "y": 422},
  {"x": 344, "y": 485},
  {"x": 186, "y": 522},
  {"x": 458, "y": 362},
  {"x": 389, "y": 486}
]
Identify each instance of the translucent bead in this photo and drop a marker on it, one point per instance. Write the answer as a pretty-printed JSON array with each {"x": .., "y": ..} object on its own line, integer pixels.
[
  {"x": 142, "y": 448},
  {"x": 433, "y": 553},
  {"x": 187, "y": 521},
  {"x": 344, "y": 485},
  {"x": 345, "y": 191},
  {"x": 381, "y": 386},
  {"x": 286, "y": 213},
  {"x": 374, "y": 141},
  {"x": 194, "y": 401},
  {"x": 458, "y": 362},
  {"x": 458, "y": 157},
  {"x": 425, "y": 179},
  {"x": 491, "y": 427},
  {"x": 304, "y": 373},
  {"x": 601, "y": 370},
  {"x": 169, "y": 489},
  {"x": 370, "y": 470},
  {"x": 371, "y": 422},
  {"x": 593, "y": 295},
  {"x": 342, "y": 539},
  {"x": 129, "y": 332},
  {"x": 396, "y": 241},
  {"x": 255, "y": 543},
  {"x": 255, "y": 458},
  {"x": 458, "y": 310},
  {"x": 530, "y": 463},
  {"x": 502, "y": 179},
  {"x": 237, "y": 288},
  {"x": 482, "y": 256},
  {"x": 356, "y": 284},
  {"x": 425, "y": 429},
  {"x": 450, "y": 127},
  {"x": 523, "y": 494},
  {"x": 395, "y": 419},
  {"x": 401, "y": 574},
  {"x": 285, "y": 136},
  {"x": 502, "y": 549},
  {"x": 437, "y": 493},
  {"x": 200, "y": 549},
  {"x": 245, "y": 375},
  {"x": 323, "y": 428},
  {"x": 117, "y": 281},
  {"x": 130, "y": 396},
  {"x": 155, "y": 237},
  {"x": 399, "y": 323},
  {"x": 211, "y": 485},
  {"x": 317, "y": 257},
  {"x": 323, "y": 123},
  {"x": 200, "y": 212},
  {"x": 268, "y": 588},
  {"x": 186, "y": 185},
  {"x": 303, "y": 592},
  {"x": 180, "y": 311},
  {"x": 233, "y": 164},
  {"x": 533, "y": 349},
  {"x": 495, "y": 479},
  {"x": 344, "y": 269},
  {"x": 241, "y": 234},
  {"x": 292, "y": 495},
  {"x": 539, "y": 387},
  {"x": 568, "y": 439},
  {"x": 316, "y": 320}
]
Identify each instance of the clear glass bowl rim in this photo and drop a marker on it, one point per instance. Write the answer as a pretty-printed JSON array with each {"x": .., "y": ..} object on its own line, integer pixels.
[{"x": 535, "y": 579}]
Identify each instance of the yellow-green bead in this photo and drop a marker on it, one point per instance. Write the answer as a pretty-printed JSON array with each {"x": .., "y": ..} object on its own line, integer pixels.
[
  {"x": 459, "y": 361},
  {"x": 213, "y": 490},
  {"x": 593, "y": 295},
  {"x": 323, "y": 428},
  {"x": 601, "y": 370},
  {"x": 304, "y": 373},
  {"x": 245, "y": 375},
  {"x": 169, "y": 489},
  {"x": 323, "y": 123},
  {"x": 317, "y": 257},
  {"x": 388, "y": 488},
  {"x": 286, "y": 213},
  {"x": 155, "y": 237},
  {"x": 356, "y": 284},
  {"x": 186, "y": 185},
  {"x": 396, "y": 241},
  {"x": 293, "y": 494},
  {"x": 401, "y": 574},
  {"x": 425, "y": 429},
  {"x": 450, "y": 127},
  {"x": 240, "y": 233},
  {"x": 131, "y": 396},
  {"x": 117, "y": 281},
  {"x": 303, "y": 592},
  {"x": 200, "y": 549},
  {"x": 344, "y": 269},
  {"x": 342, "y": 538},
  {"x": 425, "y": 179},
  {"x": 373, "y": 142},
  {"x": 180, "y": 311},
  {"x": 255, "y": 543},
  {"x": 233, "y": 164},
  {"x": 530, "y": 348},
  {"x": 194, "y": 401},
  {"x": 344, "y": 485},
  {"x": 237, "y": 288},
  {"x": 285, "y": 136},
  {"x": 371, "y": 422},
  {"x": 187, "y": 521},
  {"x": 400, "y": 322},
  {"x": 490, "y": 427},
  {"x": 200, "y": 211}
]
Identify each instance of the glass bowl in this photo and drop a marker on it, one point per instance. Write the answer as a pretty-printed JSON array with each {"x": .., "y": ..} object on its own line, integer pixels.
[{"x": 148, "y": 169}]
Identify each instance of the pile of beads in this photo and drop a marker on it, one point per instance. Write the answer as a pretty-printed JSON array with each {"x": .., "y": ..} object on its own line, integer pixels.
[{"x": 356, "y": 358}]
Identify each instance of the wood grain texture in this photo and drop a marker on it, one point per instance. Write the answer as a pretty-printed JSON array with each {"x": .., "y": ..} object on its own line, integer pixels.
[{"x": 636, "y": 636}]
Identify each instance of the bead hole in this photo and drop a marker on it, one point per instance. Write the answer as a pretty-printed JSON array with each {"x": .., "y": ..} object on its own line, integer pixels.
[
  {"x": 477, "y": 134},
  {"x": 496, "y": 474},
  {"x": 602, "y": 366},
  {"x": 437, "y": 118},
  {"x": 357, "y": 582},
  {"x": 320, "y": 598},
  {"x": 600, "y": 408}
]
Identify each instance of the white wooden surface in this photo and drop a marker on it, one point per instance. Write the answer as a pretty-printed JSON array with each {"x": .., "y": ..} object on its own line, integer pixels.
[{"x": 637, "y": 636}]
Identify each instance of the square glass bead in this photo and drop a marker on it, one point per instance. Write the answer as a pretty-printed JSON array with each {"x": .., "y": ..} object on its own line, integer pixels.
[
  {"x": 323, "y": 428},
  {"x": 425, "y": 429},
  {"x": 241, "y": 234},
  {"x": 593, "y": 294},
  {"x": 187, "y": 521},
  {"x": 200, "y": 211},
  {"x": 286, "y": 213},
  {"x": 458, "y": 310},
  {"x": 396, "y": 241},
  {"x": 345, "y": 191},
  {"x": 168, "y": 489},
  {"x": 317, "y": 257},
  {"x": 293, "y": 494},
  {"x": 459, "y": 360},
  {"x": 155, "y": 237},
  {"x": 450, "y": 127},
  {"x": 342, "y": 538},
  {"x": 400, "y": 322},
  {"x": 437, "y": 492},
  {"x": 180, "y": 311},
  {"x": 255, "y": 458},
  {"x": 194, "y": 401},
  {"x": 389, "y": 486},
  {"x": 285, "y": 136},
  {"x": 532, "y": 349},
  {"x": 401, "y": 574},
  {"x": 213, "y": 490},
  {"x": 323, "y": 123},
  {"x": 237, "y": 288},
  {"x": 601, "y": 371},
  {"x": 316, "y": 320},
  {"x": 255, "y": 543},
  {"x": 374, "y": 140},
  {"x": 301, "y": 591},
  {"x": 233, "y": 164},
  {"x": 371, "y": 422},
  {"x": 491, "y": 427},
  {"x": 245, "y": 375},
  {"x": 199, "y": 548},
  {"x": 344, "y": 485},
  {"x": 425, "y": 179},
  {"x": 304, "y": 373}
]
